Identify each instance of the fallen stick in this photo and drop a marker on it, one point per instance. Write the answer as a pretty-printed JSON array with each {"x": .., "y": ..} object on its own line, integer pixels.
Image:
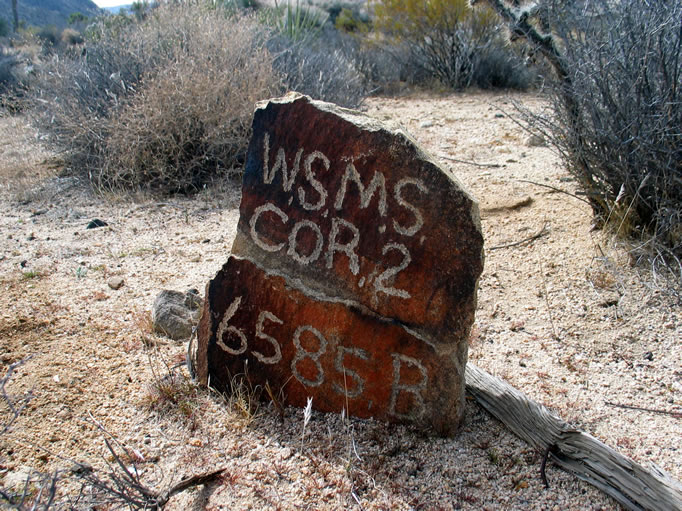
[
  {"x": 579, "y": 453},
  {"x": 542, "y": 232},
  {"x": 677, "y": 415},
  {"x": 475, "y": 164},
  {"x": 555, "y": 189}
]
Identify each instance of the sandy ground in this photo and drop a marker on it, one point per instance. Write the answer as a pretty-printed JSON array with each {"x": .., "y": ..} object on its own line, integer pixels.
[{"x": 565, "y": 318}]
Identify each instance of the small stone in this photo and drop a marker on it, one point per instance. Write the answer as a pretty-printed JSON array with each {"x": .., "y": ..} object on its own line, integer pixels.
[
  {"x": 536, "y": 141},
  {"x": 115, "y": 283},
  {"x": 15, "y": 480},
  {"x": 426, "y": 124},
  {"x": 174, "y": 314},
  {"x": 499, "y": 116},
  {"x": 95, "y": 223},
  {"x": 648, "y": 356}
]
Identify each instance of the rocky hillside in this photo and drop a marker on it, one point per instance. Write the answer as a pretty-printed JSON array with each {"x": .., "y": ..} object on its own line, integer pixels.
[{"x": 47, "y": 12}]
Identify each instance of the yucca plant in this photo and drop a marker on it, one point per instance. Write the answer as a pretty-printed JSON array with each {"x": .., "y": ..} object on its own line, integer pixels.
[{"x": 297, "y": 22}]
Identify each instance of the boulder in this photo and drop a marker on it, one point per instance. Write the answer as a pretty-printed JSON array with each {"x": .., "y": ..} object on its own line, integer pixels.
[
  {"x": 353, "y": 274},
  {"x": 174, "y": 314}
]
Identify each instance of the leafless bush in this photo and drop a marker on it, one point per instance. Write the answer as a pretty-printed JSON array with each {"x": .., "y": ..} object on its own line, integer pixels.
[
  {"x": 14, "y": 405},
  {"x": 617, "y": 108},
  {"x": 13, "y": 78},
  {"x": 317, "y": 67}
]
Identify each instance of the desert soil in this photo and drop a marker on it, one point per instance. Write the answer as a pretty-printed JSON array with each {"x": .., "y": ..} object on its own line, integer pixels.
[{"x": 566, "y": 318}]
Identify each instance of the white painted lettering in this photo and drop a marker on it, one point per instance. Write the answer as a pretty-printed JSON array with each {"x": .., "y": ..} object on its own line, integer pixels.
[
  {"x": 415, "y": 389},
  {"x": 393, "y": 271},
  {"x": 223, "y": 328},
  {"x": 359, "y": 385},
  {"x": 302, "y": 354},
  {"x": 419, "y": 220},
  {"x": 308, "y": 167},
  {"x": 348, "y": 248},
  {"x": 293, "y": 244},
  {"x": 254, "y": 220},
  {"x": 378, "y": 183},
  {"x": 260, "y": 325},
  {"x": 280, "y": 164}
]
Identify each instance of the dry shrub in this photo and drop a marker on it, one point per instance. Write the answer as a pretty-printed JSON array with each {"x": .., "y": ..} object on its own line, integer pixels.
[
  {"x": 318, "y": 68},
  {"x": 71, "y": 37},
  {"x": 163, "y": 105},
  {"x": 190, "y": 121}
]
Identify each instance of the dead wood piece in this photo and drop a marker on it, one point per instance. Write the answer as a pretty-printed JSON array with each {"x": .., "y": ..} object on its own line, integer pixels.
[
  {"x": 579, "y": 453},
  {"x": 511, "y": 206},
  {"x": 187, "y": 483}
]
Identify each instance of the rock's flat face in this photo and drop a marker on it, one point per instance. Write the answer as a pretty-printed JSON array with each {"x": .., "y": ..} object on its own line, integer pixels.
[{"x": 355, "y": 254}]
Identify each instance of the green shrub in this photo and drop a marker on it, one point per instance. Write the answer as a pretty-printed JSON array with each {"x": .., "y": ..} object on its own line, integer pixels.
[
  {"x": 162, "y": 106},
  {"x": 77, "y": 18},
  {"x": 450, "y": 41},
  {"x": 4, "y": 27},
  {"x": 347, "y": 21}
]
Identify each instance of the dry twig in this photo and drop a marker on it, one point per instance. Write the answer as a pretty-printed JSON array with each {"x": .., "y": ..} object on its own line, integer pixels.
[
  {"x": 542, "y": 232},
  {"x": 676, "y": 415}
]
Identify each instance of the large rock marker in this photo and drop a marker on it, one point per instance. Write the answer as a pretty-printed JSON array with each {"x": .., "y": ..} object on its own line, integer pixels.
[{"x": 354, "y": 272}]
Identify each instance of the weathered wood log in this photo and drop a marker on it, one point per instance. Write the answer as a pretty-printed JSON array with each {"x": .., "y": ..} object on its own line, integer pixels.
[{"x": 577, "y": 452}]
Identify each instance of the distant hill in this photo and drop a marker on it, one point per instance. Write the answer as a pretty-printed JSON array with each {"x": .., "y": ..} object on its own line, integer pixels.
[
  {"x": 117, "y": 8},
  {"x": 47, "y": 12}
]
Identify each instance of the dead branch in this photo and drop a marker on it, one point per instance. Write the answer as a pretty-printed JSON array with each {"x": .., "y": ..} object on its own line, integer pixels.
[
  {"x": 18, "y": 405},
  {"x": 554, "y": 188},
  {"x": 475, "y": 164},
  {"x": 676, "y": 415},
  {"x": 542, "y": 232},
  {"x": 125, "y": 486}
]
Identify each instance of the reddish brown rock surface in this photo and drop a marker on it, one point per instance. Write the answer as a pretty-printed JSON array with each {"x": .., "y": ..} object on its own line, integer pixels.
[{"x": 355, "y": 255}]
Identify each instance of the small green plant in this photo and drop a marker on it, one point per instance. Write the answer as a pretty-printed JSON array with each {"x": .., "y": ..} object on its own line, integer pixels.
[
  {"x": 30, "y": 275},
  {"x": 493, "y": 456},
  {"x": 81, "y": 272},
  {"x": 348, "y": 22},
  {"x": 298, "y": 22},
  {"x": 243, "y": 398}
]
